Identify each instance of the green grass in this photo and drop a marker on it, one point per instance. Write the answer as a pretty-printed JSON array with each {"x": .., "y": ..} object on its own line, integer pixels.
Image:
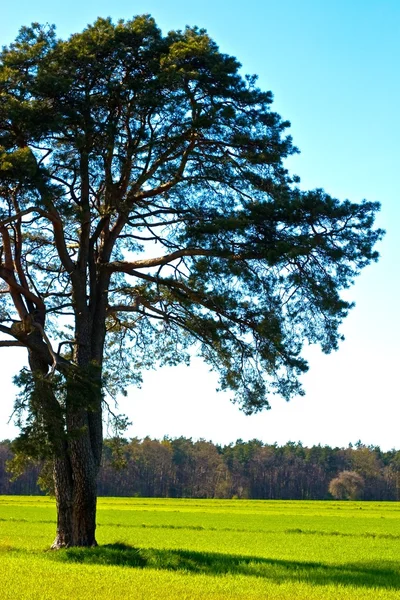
[{"x": 199, "y": 549}]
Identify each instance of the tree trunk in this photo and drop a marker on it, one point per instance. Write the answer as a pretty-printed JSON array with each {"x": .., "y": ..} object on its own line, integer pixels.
[
  {"x": 44, "y": 403},
  {"x": 75, "y": 482},
  {"x": 63, "y": 492},
  {"x": 75, "y": 439},
  {"x": 84, "y": 491},
  {"x": 76, "y": 476}
]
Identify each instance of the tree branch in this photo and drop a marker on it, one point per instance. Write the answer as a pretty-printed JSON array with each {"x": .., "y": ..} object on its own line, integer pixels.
[
  {"x": 176, "y": 178},
  {"x": 6, "y": 330},
  {"x": 21, "y": 214},
  {"x": 15, "y": 287},
  {"x": 134, "y": 307},
  {"x": 58, "y": 231},
  {"x": 125, "y": 266}
]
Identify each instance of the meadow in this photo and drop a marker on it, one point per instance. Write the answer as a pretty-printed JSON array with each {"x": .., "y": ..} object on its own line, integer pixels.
[{"x": 197, "y": 549}]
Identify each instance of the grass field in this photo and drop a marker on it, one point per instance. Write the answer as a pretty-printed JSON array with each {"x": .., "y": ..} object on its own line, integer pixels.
[{"x": 196, "y": 549}]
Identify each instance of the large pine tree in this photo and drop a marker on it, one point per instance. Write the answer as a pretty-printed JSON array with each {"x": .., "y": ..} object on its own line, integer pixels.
[{"x": 145, "y": 212}]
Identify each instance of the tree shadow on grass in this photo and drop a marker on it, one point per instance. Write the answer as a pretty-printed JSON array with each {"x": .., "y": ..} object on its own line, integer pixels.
[{"x": 362, "y": 574}]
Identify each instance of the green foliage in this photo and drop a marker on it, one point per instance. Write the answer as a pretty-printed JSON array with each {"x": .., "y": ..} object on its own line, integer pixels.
[
  {"x": 32, "y": 416},
  {"x": 160, "y": 140}
]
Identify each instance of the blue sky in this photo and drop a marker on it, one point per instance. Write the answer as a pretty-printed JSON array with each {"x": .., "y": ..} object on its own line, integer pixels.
[{"x": 333, "y": 69}]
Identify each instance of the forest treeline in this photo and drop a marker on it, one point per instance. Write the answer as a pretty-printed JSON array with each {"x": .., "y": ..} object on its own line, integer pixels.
[{"x": 199, "y": 469}]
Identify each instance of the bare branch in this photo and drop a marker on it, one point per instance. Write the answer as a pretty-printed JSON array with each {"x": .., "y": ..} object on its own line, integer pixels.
[
  {"x": 16, "y": 288},
  {"x": 7, "y": 273},
  {"x": 124, "y": 266},
  {"x": 65, "y": 343},
  {"x": 135, "y": 307},
  {"x": 49, "y": 346},
  {"x": 161, "y": 189},
  {"x": 21, "y": 214},
  {"x": 58, "y": 231}
]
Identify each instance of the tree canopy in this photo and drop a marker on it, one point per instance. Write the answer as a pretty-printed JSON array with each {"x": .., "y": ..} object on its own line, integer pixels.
[{"x": 146, "y": 213}]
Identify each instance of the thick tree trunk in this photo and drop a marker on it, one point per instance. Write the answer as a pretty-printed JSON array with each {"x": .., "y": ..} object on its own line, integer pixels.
[
  {"x": 63, "y": 492},
  {"x": 84, "y": 509},
  {"x": 75, "y": 479},
  {"x": 45, "y": 404},
  {"x": 76, "y": 492},
  {"x": 76, "y": 441},
  {"x": 84, "y": 491},
  {"x": 75, "y": 482},
  {"x": 74, "y": 426},
  {"x": 84, "y": 425}
]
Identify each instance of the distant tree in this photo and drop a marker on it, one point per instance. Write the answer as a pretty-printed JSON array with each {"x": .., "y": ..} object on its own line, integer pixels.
[
  {"x": 368, "y": 463},
  {"x": 262, "y": 468},
  {"x": 27, "y": 481},
  {"x": 238, "y": 458},
  {"x": 208, "y": 470},
  {"x": 392, "y": 473},
  {"x": 145, "y": 211},
  {"x": 348, "y": 485},
  {"x": 155, "y": 466},
  {"x": 5, "y": 455}
]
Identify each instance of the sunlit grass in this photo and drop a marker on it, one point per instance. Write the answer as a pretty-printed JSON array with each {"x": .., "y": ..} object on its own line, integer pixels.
[{"x": 195, "y": 549}]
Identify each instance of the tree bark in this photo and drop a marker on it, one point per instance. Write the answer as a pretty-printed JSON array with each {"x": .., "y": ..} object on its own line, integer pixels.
[
  {"x": 84, "y": 479},
  {"x": 75, "y": 482},
  {"x": 62, "y": 475},
  {"x": 45, "y": 404},
  {"x": 75, "y": 437}
]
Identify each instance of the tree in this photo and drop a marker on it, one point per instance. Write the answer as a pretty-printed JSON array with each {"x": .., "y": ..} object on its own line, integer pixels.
[
  {"x": 348, "y": 485},
  {"x": 146, "y": 211}
]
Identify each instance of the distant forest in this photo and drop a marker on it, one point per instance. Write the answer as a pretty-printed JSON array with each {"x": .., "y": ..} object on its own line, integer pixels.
[{"x": 183, "y": 468}]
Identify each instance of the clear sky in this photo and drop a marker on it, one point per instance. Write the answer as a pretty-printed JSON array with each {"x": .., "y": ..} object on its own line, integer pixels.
[{"x": 334, "y": 70}]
